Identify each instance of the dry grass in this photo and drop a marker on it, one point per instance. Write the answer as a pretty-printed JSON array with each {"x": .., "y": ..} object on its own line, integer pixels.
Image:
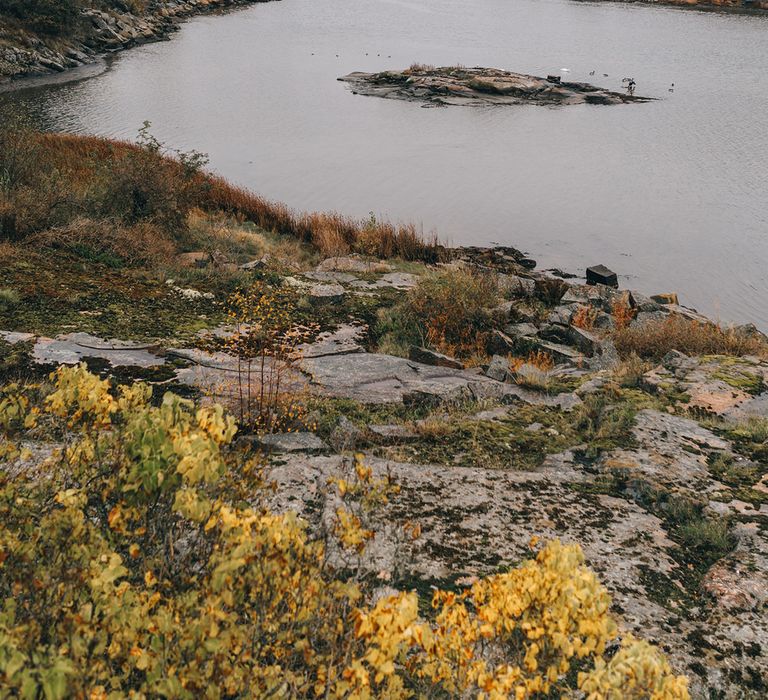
[
  {"x": 622, "y": 312},
  {"x": 585, "y": 318},
  {"x": 630, "y": 371},
  {"x": 655, "y": 339},
  {"x": 551, "y": 290},
  {"x": 420, "y": 68},
  {"x": 218, "y": 234},
  {"x": 331, "y": 233},
  {"x": 434, "y": 427},
  {"x": 141, "y": 244},
  {"x": 83, "y": 160},
  {"x": 540, "y": 360},
  {"x": 7, "y": 251}
]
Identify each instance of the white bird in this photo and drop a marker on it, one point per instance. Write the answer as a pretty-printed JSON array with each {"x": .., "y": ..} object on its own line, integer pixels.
[{"x": 566, "y": 70}]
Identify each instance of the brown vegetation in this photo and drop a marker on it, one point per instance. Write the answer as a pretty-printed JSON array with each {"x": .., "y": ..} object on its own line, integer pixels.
[
  {"x": 585, "y": 318},
  {"x": 142, "y": 182},
  {"x": 655, "y": 339},
  {"x": 622, "y": 312}
]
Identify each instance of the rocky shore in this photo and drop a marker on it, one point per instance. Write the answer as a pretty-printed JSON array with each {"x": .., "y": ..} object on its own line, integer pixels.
[
  {"x": 24, "y": 53},
  {"x": 484, "y": 86},
  {"x": 756, "y": 6},
  {"x": 659, "y": 472},
  {"x": 508, "y": 402}
]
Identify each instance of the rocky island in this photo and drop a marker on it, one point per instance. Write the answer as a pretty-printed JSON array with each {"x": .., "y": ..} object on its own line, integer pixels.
[{"x": 457, "y": 85}]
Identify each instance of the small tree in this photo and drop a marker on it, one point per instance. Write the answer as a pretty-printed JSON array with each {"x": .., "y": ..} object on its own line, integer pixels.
[{"x": 266, "y": 342}]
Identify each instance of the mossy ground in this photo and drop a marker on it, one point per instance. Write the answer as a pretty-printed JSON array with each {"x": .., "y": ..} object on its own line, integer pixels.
[{"x": 79, "y": 295}]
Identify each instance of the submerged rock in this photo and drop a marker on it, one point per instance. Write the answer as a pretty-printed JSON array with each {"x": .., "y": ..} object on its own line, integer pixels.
[{"x": 467, "y": 86}]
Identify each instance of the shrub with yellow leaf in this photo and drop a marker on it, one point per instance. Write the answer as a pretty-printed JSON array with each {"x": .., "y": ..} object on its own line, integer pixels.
[{"x": 142, "y": 562}]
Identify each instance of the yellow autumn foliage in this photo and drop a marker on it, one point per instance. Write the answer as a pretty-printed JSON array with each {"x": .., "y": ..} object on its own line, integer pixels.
[{"x": 142, "y": 562}]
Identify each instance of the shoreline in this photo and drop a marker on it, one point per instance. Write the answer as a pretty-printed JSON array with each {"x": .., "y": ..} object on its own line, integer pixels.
[
  {"x": 28, "y": 59},
  {"x": 759, "y": 9}
]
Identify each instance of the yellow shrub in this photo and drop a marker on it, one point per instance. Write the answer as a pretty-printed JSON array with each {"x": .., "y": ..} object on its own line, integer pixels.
[{"x": 142, "y": 565}]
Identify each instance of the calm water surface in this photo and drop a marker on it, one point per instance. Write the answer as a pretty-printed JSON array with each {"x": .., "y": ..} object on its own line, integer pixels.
[{"x": 671, "y": 194}]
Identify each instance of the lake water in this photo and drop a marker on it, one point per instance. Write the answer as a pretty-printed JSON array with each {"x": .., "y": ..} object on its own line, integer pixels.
[{"x": 671, "y": 194}]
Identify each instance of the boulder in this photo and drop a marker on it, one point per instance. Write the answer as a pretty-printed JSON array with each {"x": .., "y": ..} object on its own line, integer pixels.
[
  {"x": 375, "y": 378},
  {"x": 391, "y": 434},
  {"x": 259, "y": 264},
  {"x": 605, "y": 356},
  {"x": 291, "y": 442},
  {"x": 593, "y": 385},
  {"x": 600, "y": 274},
  {"x": 604, "y": 321},
  {"x": 516, "y": 330},
  {"x": 517, "y": 286},
  {"x": 503, "y": 311},
  {"x": 351, "y": 264},
  {"x": 72, "y": 348},
  {"x": 346, "y": 435},
  {"x": 561, "y": 314},
  {"x": 642, "y": 303},
  {"x": 399, "y": 280},
  {"x": 644, "y": 317},
  {"x": 346, "y": 339},
  {"x": 599, "y": 296},
  {"x": 555, "y": 333},
  {"x": 583, "y": 340},
  {"x": 500, "y": 343},
  {"x": 561, "y": 354},
  {"x": 664, "y": 299},
  {"x": 431, "y": 357},
  {"x": 498, "y": 368},
  {"x": 750, "y": 330},
  {"x": 675, "y": 360},
  {"x": 330, "y": 277},
  {"x": 523, "y": 314},
  {"x": 326, "y": 293}
]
